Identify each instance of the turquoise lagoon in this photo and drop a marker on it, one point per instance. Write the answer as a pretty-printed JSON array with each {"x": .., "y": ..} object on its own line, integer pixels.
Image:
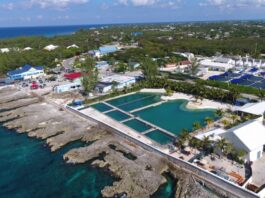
[{"x": 174, "y": 116}]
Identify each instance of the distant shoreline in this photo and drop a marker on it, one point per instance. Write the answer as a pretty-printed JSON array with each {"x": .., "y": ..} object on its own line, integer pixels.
[{"x": 59, "y": 30}]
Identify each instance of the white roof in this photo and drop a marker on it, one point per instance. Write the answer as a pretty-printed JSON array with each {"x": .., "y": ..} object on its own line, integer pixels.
[
  {"x": 253, "y": 108},
  {"x": 3, "y": 50},
  {"x": 117, "y": 78},
  {"x": 72, "y": 46},
  {"x": 27, "y": 48},
  {"x": 51, "y": 47},
  {"x": 210, "y": 63},
  {"x": 213, "y": 134},
  {"x": 248, "y": 136}
]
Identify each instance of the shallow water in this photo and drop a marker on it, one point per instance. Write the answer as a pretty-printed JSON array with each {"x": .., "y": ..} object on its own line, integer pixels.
[{"x": 29, "y": 169}]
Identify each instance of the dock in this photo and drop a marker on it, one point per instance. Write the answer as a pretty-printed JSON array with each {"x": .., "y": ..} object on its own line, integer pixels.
[{"x": 148, "y": 106}]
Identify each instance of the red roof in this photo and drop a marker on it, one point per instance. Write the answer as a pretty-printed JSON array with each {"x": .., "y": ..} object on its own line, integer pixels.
[
  {"x": 186, "y": 62},
  {"x": 72, "y": 76}
]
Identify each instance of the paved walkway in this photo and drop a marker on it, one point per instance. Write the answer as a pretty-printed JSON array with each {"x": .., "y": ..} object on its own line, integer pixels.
[{"x": 258, "y": 171}]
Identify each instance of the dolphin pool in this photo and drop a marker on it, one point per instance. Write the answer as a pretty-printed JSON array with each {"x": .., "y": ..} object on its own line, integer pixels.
[{"x": 159, "y": 121}]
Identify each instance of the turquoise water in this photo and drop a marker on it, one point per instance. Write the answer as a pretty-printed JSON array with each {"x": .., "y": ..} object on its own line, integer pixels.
[
  {"x": 101, "y": 107},
  {"x": 29, "y": 169},
  {"x": 159, "y": 137},
  {"x": 174, "y": 116},
  {"x": 135, "y": 101},
  {"x": 137, "y": 125},
  {"x": 117, "y": 115},
  {"x": 167, "y": 189}
]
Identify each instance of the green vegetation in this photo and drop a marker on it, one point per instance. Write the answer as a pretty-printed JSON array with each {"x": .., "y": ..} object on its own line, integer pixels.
[
  {"x": 89, "y": 75},
  {"x": 158, "y": 41}
]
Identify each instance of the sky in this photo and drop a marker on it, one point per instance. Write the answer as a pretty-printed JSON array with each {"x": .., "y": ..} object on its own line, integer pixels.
[{"x": 74, "y": 12}]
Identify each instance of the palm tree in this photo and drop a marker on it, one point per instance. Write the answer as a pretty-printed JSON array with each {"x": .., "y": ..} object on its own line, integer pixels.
[
  {"x": 219, "y": 113},
  {"x": 234, "y": 118},
  {"x": 208, "y": 121},
  {"x": 194, "y": 67},
  {"x": 225, "y": 123},
  {"x": 261, "y": 94},
  {"x": 222, "y": 144},
  {"x": 196, "y": 126},
  {"x": 206, "y": 143}
]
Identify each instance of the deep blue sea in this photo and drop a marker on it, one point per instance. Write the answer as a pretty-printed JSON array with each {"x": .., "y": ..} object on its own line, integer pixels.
[
  {"x": 47, "y": 31},
  {"x": 28, "y": 169}
]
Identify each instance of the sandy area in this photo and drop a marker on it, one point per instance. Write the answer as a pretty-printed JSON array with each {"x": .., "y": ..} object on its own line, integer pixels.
[
  {"x": 200, "y": 104},
  {"x": 153, "y": 91}
]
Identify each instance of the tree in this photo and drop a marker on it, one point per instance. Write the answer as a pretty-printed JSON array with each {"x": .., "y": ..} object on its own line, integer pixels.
[
  {"x": 89, "y": 75},
  {"x": 206, "y": 143},
  {"x": 219, "y": 113},
  {"x": 149, "y": 68},
  {"x": 222, "y": 144},
  {"x": 208, "y": 121},
  {"x": 234, "y": 93},
  {"x": 261, "y": 94},
  {"x": 121, "y": 68},
  {"x": 194, "y": 67},
  {"x": 196, "y": 126},
  {"x": 234, "y": 118}
]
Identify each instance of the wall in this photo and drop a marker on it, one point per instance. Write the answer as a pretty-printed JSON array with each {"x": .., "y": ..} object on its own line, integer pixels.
[{"x": 230, "y": 188}]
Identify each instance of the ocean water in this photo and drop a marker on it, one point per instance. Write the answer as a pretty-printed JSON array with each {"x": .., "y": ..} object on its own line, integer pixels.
[
  {"x": 42, "y": 31},
  {"x": 29, "y": 169}
]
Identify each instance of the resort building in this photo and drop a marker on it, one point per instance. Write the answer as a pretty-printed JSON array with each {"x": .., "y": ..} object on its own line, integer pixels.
[
  {"x": 257, "y": 109},
  {"x": 117, "y": 81},
  {"x": 26, "y": 72},
  {"x": 50, "y": 47},
  {"x": 250, "y": 137},
  {"x": 219, "y": 64}
]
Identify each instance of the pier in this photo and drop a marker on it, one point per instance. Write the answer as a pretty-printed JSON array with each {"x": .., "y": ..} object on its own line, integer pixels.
[{"x": 148, "y": 106}]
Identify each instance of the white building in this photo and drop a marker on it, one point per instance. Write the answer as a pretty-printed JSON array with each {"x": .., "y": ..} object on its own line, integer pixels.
[
  {"x": 26, "y": 72},
  {"x": 218, "y": 64},
  {"x": 4, "y": 50},
  {"x": 250, "y": 137},
  {"x": 253, "y": 108},
  {"x": 68, "y": 87},
  {"x": 50, "y": 47},
  {"x": 119, "y": 81}
]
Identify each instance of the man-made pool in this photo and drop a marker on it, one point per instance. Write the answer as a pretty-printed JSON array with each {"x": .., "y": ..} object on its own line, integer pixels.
[
  {"x": 171, "y": 116},
  {"x": 174, "y": 116}
]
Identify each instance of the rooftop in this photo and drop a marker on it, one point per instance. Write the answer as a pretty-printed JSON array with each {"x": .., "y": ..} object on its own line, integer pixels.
[
  {"x": 253, "y": 108},
  {"x": 23, "y": 69}
]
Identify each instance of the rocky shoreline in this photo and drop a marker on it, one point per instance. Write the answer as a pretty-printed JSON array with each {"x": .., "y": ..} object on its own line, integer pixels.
[{"x": 139, "y": 172}]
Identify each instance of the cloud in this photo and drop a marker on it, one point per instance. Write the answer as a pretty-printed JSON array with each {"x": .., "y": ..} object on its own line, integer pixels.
[
  {"x": 233, "y": 3},
  {"x": 7, "y": 6},
  {"x": 157, "y": 3},
  {"x": 55, "y": 3}
]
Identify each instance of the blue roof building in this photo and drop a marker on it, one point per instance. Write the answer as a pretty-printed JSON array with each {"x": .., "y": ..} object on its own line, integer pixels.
[
  {"x": 106, "y": 49},
  {"x": 26, "y": 72}
]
